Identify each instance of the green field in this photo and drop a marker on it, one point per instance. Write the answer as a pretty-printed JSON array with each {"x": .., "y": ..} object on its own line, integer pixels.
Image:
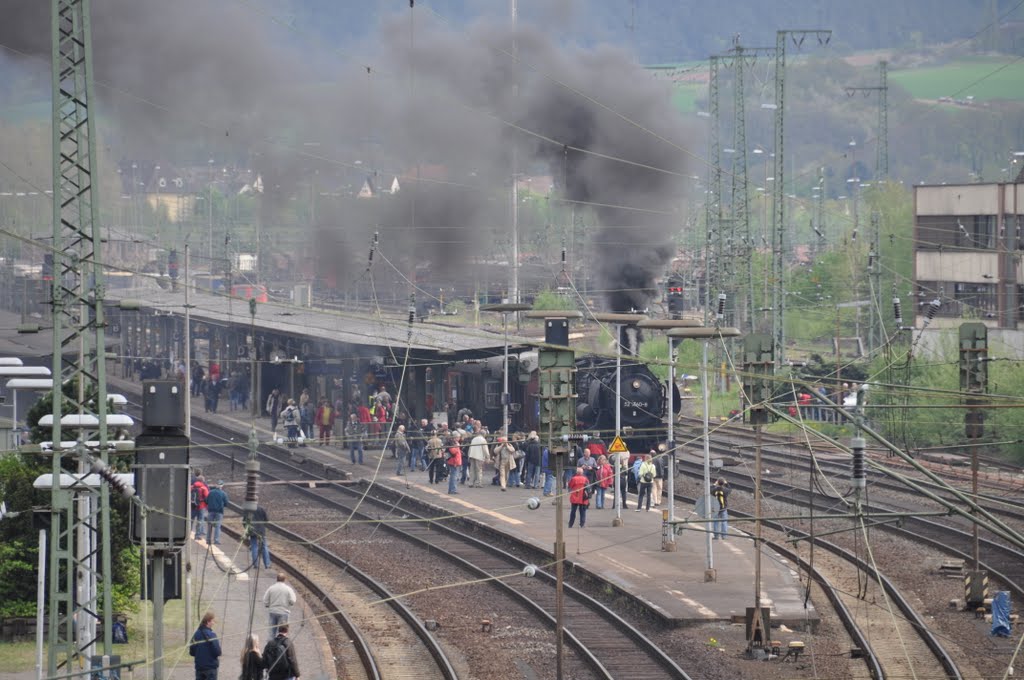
[{"x": 960, "y": 79}]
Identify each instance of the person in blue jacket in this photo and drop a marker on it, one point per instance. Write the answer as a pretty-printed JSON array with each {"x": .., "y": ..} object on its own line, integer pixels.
[
  {"x": 205, "y": 648},
  {"x": 216, "y": 502}
]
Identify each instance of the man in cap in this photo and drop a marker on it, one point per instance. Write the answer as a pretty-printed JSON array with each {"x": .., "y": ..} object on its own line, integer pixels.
[{"x": 216, "y": 502}]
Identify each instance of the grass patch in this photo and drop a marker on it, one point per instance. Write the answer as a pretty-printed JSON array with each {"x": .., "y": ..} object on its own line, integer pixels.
[
  {"x": 17, "y": 657},
  {"x": 949, "y": 80}
]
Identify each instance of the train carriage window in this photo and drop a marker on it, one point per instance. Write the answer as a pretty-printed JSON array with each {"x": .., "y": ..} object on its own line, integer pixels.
[{"x": 492, "y": 394}]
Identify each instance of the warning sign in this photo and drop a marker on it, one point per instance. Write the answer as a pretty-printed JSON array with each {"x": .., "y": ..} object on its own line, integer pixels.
[{"x": 618, "y": 446}]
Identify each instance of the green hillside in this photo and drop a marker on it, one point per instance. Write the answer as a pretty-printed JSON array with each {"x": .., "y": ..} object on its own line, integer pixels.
[{"x": 978, "y": 78}]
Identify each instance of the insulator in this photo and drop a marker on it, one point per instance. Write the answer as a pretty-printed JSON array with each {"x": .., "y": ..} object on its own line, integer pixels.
[
  {"x": 252, "y": 478},
  {"x": 111, "y": 478},
  {"x": 854, "y": 238},
  {"x": 933, "y": 308},
  {"x": 721, "y": 306},
  {"x": 871, "y": 261},
  {"x": 563, "y": 258},
  {"x": 859, "y": 474},
  {"x": 897, "y": 311}
]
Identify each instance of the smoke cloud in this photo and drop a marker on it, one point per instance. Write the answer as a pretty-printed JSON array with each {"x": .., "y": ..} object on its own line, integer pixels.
[{"x": 443, "y": 108}]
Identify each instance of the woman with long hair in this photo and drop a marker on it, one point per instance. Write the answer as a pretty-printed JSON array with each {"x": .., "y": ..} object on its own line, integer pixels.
[{"x": 252, "y": 660}]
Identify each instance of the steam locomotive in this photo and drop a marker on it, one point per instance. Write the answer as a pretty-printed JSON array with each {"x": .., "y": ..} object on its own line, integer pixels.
[{"x": 644, "y": 402}]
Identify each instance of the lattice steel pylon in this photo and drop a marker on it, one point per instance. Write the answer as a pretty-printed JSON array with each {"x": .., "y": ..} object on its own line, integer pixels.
[
  {"x": 882, "y": 145},
  {"x": 713, "y": 205},
  {"x": 779, "y": 190},
  {"x": 79, "y": 538}
]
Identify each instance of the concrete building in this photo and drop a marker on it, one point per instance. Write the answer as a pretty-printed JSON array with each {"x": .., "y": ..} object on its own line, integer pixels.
[{"x": 967, "y": 256}]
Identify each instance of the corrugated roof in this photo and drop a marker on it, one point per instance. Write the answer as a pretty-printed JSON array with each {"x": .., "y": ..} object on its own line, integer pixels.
[{"x": 345, "y": 327}]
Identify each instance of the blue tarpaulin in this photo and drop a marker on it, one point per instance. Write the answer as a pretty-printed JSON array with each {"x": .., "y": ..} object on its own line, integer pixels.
[{"x": 1001, "y": 614}]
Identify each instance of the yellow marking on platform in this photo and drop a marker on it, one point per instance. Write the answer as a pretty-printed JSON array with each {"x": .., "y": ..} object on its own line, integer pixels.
[
  {"x": 466, "y": 504},
  {"x": 224, "y": 561},
  {"x": 625, "y": 567},
  {"x": 701, "y": 609}
]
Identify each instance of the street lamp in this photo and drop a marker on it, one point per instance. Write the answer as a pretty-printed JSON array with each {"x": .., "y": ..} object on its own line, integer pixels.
[
  {"x": 668, "y": 541},
  {"x": 504, "y": 308},
  {"x": 704, "y": 334}
]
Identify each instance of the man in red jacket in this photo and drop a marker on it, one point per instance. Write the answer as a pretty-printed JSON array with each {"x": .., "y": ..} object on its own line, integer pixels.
[
  {"x": 579, "y": 497},
  {"x": 199, "y": 493}
]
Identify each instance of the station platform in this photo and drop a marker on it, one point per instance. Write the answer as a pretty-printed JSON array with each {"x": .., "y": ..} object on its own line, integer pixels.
[
  {"x": 630, "y": 556},
  {"x": 222, "y": 584}
]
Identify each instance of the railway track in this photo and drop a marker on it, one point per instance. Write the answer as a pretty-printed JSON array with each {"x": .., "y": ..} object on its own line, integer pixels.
[
  {"x": 610, "y": 646},
  {"x": 386, "y": 641}
]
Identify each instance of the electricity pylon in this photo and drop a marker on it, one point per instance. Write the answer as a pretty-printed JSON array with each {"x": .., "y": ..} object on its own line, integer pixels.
[
  {"x": 779, "y": 202},
  {"x": 80, "y": 516},
  {"x": 882, "y": 147}
]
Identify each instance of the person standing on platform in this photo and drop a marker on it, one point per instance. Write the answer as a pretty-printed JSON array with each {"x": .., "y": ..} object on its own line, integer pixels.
[
  {"x": 205, "y": 647},
  {"x": 622, "y": 488},
  {"x": 290, "y": 418},
  {"x": 273, "y": 409},
  {"x": 645, "y": 482},
  {"x": 454, "y": 463},
  {"x": 661, "y": 464},
  {"x": 278, "y": 600},
  {"x": 324, "y": 420},
  {"x": 504, "y": 460},
  {"x": 252, "y": 659},
  {"x": 307, "y": 414},
  {"x": 531, "y": 461},
  {"x": 579, "y": 497},
  {"x": 216, "y": 502},
  {"x": 435, "y": 458},
  {"x": 279, "y": 656},
  {"x": 605, "y": 478},
  {"x": 402, "y": 449},
  {"x": 478, "y": 455},
  {"x": 200, "y": 492},
  {"x": 355, "y": 433},
  {"x": 256, "y": 530},
  {"x": 420, "y": 435},
  {"x": 547, "y": 464},
  {"x": 720, "y": 494}
]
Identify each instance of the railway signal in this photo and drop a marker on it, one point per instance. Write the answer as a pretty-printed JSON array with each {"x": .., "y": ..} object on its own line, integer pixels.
[{"x": 974, "y": 382}]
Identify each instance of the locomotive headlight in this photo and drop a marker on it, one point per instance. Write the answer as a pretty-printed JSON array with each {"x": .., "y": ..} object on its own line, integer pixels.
[{"x": 636, "y": 384}]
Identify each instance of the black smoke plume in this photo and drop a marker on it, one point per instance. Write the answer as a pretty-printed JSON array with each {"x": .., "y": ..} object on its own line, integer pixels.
[{"x": 438, "y": 106}]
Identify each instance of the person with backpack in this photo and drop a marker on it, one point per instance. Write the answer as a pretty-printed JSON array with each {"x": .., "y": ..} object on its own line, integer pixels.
[
  {"x": 324, "y": 420},
  {"x": 661, "y": 465},
  {"x": 216, "y": 502},
  {"x": 579, "y": 497},
  {"x": 205, "y": 647},
  {"x": 279, "y": 656},
  {"x": 290, "y": 419},
  {"x": 200, "y": 492},
  {"x": 645, "y": 482},
  {"x": 720, "y": 506}
]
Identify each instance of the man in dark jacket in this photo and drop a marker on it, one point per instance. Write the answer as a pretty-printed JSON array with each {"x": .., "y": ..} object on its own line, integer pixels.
[
  {"x": 205, "y": 648},
  {"x": 256, "y": 530},
  {"x": 533, "y": 461},
  {"x": 279, "y": 656}
]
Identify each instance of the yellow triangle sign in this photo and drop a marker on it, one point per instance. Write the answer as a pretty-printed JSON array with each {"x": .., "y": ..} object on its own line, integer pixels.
[{"x": 618, "y": 446}]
